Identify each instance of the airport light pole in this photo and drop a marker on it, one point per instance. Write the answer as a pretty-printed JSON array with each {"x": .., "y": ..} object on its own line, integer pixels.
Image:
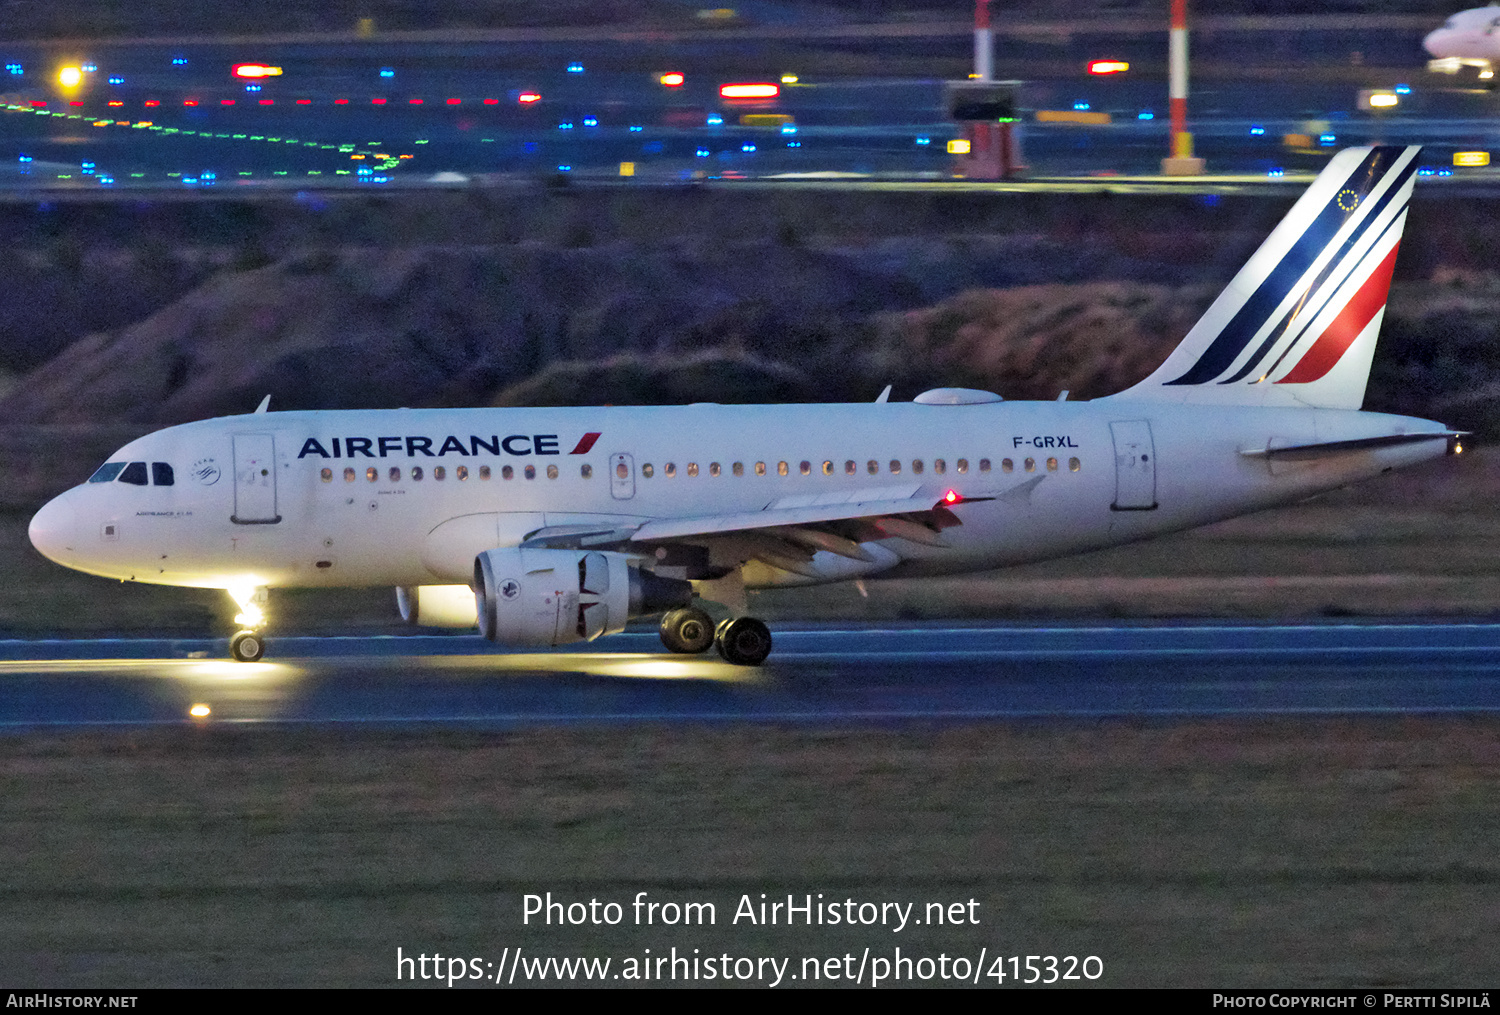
[
  {"x": 984, "y": 45},
  {"x": 1180, "y": 160}
]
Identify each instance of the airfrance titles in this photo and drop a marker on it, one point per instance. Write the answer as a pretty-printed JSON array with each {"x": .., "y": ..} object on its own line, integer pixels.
[{"x": 435, "y": 447}]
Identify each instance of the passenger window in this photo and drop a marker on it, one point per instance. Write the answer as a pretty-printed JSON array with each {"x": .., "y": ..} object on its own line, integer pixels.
[
  {"x": 1031, "y": 465},
  {"x": 107, "y": 472},
  {"x": 395, "y": 474},
  {"x": 371, "y": 473},
  {"x": 135, "y": 474},
  {"x": 439, "y": 472},
  {"x": 348, "y": 475},
  {"x": 1006, "y": 465},
  {"x": 827, "y": 468},
  {"x": 530, "y": 472},
  {"x": 461, "y": 473},
  {"x": 939, "y": 466},
  {"x": 916, "y": 466},
  {"x": 806, "y": 468},
  {"x": 739, "y": 468},
  {"x": 161, "y": 474},
  {"x": 1052, "y": 465},
  {"x": 984, "y": 465},
  {"x": 551, "y": 472},
  {"x": 328, "y": 475},
  {"x": 586, "y": 471},
  {"x": 670, "y": 470},
  {"x": 648, "y": 470},
  {"x": 781, "y": 469},
  {"x": 872, "y": 467},
  {"x": 760, "y": 468},
  {"x": 692, "y": 468},
  {"x": 484, "y": 472},
  {"x": 506, "y": 472},
  {"x": 850, "y": 468},
  {"x": 962, "y": 465},
  {"x": 895, "y": 467},
  {"x": 1074, "y": 465},
  {"x": 416, "y": 473},
  {"x": 713, "y": 469}
]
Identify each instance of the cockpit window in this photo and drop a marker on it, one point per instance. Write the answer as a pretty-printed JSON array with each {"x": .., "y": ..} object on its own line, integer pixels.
[
  {"x": 161, "y": 474},
  {"x": 107, "y": 472},
  {"x": 134, "y": 473}
]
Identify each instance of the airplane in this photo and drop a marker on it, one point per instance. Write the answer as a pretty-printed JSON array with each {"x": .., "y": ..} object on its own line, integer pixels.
[
  {"x": 555, "y": 526},
  {"x": 1468, "y": 39}
]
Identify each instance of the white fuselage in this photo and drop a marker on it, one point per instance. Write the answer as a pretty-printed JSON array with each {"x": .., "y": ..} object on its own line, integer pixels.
[{"x": 333, "y": 498}]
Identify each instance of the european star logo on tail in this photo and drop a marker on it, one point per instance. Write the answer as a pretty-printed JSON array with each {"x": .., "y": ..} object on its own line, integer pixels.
[{"x": 1298, "y": 324}]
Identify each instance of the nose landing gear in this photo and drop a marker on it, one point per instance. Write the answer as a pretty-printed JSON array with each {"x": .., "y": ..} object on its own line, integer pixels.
[{"x": 248, "y": 645}]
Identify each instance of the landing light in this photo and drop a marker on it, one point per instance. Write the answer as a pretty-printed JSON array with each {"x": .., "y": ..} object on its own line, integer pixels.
[
  {"x": 70, "y": 77},
  {"x": 526, "y": 98},
  {"x": 1471, "y": 158},
  {"x": 958, "y": 146},
  {"x": 672, "y": 79},
  {"x": 757, "y": 90},
  {"x": 789, "y": 79},
  {"x": 256, "y": 70},
  {"x": 200, "y": 711},
  {"x": 1108, "y": 67}
]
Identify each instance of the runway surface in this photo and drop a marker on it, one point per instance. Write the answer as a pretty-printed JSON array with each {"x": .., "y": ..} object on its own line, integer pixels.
[{"x": 816, "y": 674}]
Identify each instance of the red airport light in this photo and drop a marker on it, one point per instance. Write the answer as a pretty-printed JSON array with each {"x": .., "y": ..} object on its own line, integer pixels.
[
  {"x": 304, "y": 102},
  {"x": 256, "y": 70},
  {"x": 415, "y": 102},
  {"x": 189, "y": 102},
  {"x": 116, "y": 102},
  {"x": 37, "y": 104},
  {"x": 491, "y": 102},
  {"x": 75, "y": 102},
  {"x": 377, "y": 102},
  {"x": 226, "y": 102},
  {"x": 153, "y": 102},
  {"x": 527, "y": 98},
  {"x": 454, "y": 102},
  {"x": 268, "y": 102},
  {"x": 340, "y": 102},
  {"x": 753, "y": 90},
  {"x": 672, "y": 79},
  {"x": 1108, "y": 67}
]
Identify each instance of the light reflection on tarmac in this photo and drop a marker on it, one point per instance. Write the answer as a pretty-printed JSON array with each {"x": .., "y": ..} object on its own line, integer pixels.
[{"x": 816, "y": 674}]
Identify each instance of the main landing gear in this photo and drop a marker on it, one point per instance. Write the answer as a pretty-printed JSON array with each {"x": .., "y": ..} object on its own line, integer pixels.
[
  {"x": 248, "y": 645},
  {"x": 743, "y": 641}
]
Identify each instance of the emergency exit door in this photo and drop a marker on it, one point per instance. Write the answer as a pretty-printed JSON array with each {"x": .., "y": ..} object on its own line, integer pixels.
[
  {"x": 1135, "y": 466},
  {"x": 621, "y": 476},
  {"x": 255, "y": 480}
]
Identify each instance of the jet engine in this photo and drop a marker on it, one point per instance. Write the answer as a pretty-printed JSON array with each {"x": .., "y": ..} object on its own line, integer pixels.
[
  {"x": 437, "y": 605},
  {"x": 533, "y": 597}
]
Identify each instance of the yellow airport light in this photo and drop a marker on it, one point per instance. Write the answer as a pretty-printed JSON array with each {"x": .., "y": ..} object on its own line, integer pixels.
[
  {"x": 70, "y": 77},
  {"x": 789, "y": 79},
  {"x": 1471, "y": 158},
  {"x": 958, "y": 146},
  {"x": 1378, "y": 98},
  {"x": 627, "y": 168}
]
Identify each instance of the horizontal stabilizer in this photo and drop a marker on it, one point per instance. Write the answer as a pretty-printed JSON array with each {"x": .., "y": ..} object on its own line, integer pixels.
[{"x": 1306, "y": 452}]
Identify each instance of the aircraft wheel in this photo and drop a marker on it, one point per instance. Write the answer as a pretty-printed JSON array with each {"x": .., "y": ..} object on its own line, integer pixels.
[
  {"x": 247, "y": 647},
  {"x": 688, "y": 630},
  {"x": 744, "y": 641}
]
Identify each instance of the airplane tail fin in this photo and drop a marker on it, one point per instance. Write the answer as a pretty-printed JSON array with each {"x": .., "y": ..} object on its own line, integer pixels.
[{"x": 1297, "y": 325}]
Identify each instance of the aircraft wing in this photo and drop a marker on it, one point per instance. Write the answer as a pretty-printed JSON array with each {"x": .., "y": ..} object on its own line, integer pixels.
[{"x": 788, "y": 531}]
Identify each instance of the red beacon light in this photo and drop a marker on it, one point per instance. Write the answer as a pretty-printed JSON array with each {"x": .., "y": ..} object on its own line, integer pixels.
[
  {"x": 751, "y": 90},
  {"x": 952, "y": 497}
]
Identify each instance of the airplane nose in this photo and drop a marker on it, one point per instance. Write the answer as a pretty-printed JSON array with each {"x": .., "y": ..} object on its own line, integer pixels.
[
  {"x": 52, "y": 528},
  {"x": 1432, "y": 42}
]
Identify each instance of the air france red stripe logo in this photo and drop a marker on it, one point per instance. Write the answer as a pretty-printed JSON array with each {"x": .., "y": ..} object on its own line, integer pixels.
[
  {"x": 586, "y": 444},
  {"x": 1346, "y": 327}
]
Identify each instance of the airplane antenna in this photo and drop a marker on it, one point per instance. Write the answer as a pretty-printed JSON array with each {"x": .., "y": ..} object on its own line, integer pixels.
[
  {"x": 265, "y": 404},
  {"x": 1062, "y": 396},
  {"x": 885, "y": 396}
]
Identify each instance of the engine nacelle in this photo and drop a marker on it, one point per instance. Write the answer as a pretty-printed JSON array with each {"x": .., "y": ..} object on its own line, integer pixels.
[
  {"x": 437, "y": 605},
  {"x": 534, "y": 597}
]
